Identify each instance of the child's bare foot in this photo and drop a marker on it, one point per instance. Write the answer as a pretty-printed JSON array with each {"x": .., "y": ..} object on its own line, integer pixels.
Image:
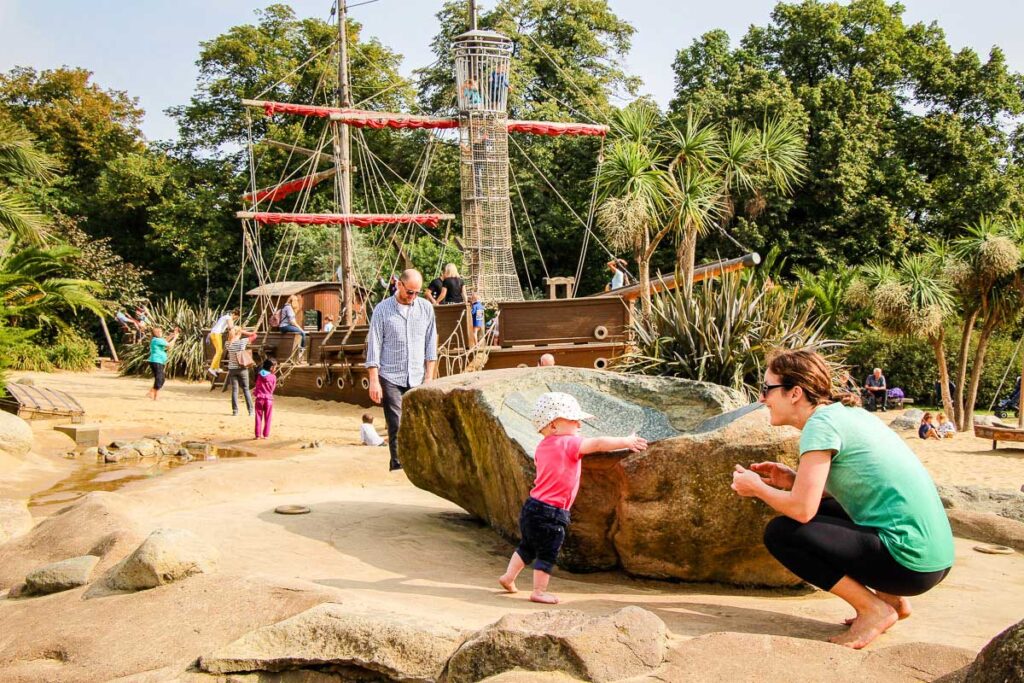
[
  {"x": 545, "y": 598},
  {"x": 508, "y": 584},
  {"x": 867, "y": 626},
  {"x": 897, "y": 602}
]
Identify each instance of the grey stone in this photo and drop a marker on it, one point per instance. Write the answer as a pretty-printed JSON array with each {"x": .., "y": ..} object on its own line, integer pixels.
[
  {"x": 668, "y": 512},
  {"x": 378, "y": 646},
  {"x": 167, "y": 555},
  {"x": 113, "y": 456},
  {"x": 15, "y": 519},
  {"x": 910, "y": 419},
  {"x": 1002, "y": 660},
  {"x": 119, "y": 443},
  {"x": 15, "y": 435},
  {"x": 1005, "y": 503},
  {"x": 61, "y": 576},
  {"x": 197, "y": 448},
  {"x": 624, "y": 644},
  {"x": 146, "y": 448}
]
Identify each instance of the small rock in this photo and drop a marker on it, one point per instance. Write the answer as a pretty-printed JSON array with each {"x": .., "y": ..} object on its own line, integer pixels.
[
  {"x": 167, "y": 555},
  {"x": 113, "y": 456},
  {"x": 146, "y": 447},
  {"x": 91, "y": 453},
  {"x": 1002, "y": 660},
  {"x": 624, "y": 644},
  {"x": 119, "y": 443},
  {"x": 197, "y": 448},
  {"x": 910, "y": 419},
  {"x": 61, "y": 576},
  {"x": 71, "y": 455}
]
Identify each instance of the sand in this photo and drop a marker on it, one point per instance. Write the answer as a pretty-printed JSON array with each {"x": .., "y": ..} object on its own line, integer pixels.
[{"x": 376, "y": 543}]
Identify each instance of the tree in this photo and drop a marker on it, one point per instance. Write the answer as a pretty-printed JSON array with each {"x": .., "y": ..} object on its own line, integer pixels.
[{"x": 38, "y": 288}]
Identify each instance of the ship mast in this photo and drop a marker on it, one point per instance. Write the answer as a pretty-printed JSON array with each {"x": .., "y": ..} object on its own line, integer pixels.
[{"x": 342, "y": 161}]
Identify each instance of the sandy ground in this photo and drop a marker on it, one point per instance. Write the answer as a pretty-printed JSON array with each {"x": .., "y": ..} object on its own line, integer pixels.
[{"x": 375, "y": 542}]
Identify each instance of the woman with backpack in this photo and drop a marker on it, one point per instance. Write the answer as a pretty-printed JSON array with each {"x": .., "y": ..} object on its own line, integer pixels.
[{"x": 239, "y": 362}]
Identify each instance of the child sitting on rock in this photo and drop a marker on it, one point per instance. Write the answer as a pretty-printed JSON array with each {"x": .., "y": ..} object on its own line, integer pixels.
[
  {"x": 368, "y": 435},
  {"x": 545, "y": 515},
  {"x": 946, "y": 428}
]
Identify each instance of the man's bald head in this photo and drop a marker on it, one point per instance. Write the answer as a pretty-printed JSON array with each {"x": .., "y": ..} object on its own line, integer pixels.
[
  {"x": 546, "y": 361},
  {"x": 412, "y": 277}
]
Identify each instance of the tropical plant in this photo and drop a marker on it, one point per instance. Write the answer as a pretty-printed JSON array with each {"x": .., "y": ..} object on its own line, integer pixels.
[
  {"x": 828, "y": 291},
  {"x": 38, "y": 288},
  {"x": 722, "y": 331},
  {"x": 186, "y": 356},
  {"x": 21, "y": 162}
]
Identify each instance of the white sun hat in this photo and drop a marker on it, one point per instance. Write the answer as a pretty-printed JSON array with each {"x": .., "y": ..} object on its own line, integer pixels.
[{"x": 553, "y": 405}]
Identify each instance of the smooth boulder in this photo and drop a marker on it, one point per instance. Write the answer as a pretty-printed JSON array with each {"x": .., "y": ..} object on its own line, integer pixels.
[
  {"x": 668, "y": 512},
  {"x": 624, "y": 644},
  {"x": 167, "y": 555},
  {"x": 61, "y": 576},
  {"x": 909, "y": 420},
  {"x": 15, "y": 519},
  {"x": 379, "y": 645},
  {"x": 1002, "y": 660},
  {"x": 15, "y": 436}
]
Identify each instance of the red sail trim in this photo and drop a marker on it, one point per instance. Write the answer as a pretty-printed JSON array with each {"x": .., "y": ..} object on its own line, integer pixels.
[
  {"x": 271, "y": 108},
  {"x": 357, "y": 219},
  {"x": 284, "y": 189},
  {"x": 545, "y": 128},
  {"x": 361, "y": 118}
]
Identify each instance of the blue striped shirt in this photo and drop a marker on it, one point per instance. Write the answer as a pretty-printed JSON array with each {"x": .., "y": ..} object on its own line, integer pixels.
[{"x": 400, "y": 346}]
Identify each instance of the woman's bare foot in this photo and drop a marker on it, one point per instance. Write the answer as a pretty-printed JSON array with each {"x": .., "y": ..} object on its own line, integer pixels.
[
  {"x": 508, "y": 584},
  {"x": 897, "y": 602},
  {"x": 545, "y": 598},
  {"x": 867, "y": 626}
]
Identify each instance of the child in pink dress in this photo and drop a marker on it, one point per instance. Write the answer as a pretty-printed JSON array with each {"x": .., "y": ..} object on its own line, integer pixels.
[
  {"x": 263, "y": 393},
  {"x": 545, "y": 515}
]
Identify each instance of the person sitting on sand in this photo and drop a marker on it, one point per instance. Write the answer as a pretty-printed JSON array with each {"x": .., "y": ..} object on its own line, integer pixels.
[
  {"x": 927, "y": 428},
  {"x": 946, "y": 428},
  {"x": 368, "y": 434},
  {"x": 545, "y": 515},
  {"x": 882, "y": 535}
]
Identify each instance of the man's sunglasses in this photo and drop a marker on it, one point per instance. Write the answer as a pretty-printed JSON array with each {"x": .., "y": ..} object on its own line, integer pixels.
[
  {"x": 766, "y": 388},
  {"x": 410, "y": 292}
]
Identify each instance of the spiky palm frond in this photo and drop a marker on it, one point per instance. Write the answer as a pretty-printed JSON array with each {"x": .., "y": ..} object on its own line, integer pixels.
[
  {"x": 783, "y": 153},
  {"x": 19, "y": 155},
  {"x": 186, "y": 357},
  {"x": 695, "y": 200}
]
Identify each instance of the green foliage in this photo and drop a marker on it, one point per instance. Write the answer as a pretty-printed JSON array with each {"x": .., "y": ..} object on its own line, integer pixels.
[
  {"x": 38, "y": 288},
  {"x": 72, "y": 351},
  {"x": 21, "y": 163},
  {"x": 185, "y": 357},
  {"x": 722, "y": 331},
  {"x": 13, "y": 342}
]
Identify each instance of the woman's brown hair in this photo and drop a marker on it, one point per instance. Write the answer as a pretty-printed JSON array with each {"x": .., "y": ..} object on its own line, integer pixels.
[{"x": 804, "y": 369}]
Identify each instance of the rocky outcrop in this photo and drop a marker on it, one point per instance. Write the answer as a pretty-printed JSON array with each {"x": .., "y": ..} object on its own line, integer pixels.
[
  {"x": 909, "y": 420},
  {"x": 1009, "y": 504},
  {"x": 168, "y": 555},
  {"x": 61, "y": 576},
  {"x": 624, "y": 644},
  {"x": 1002, "y": 660},
  {"x": 15, "y": 436},
  {"x": 99, "y": 523},
  {"x": 987, "y": 527},
  {"x": 15, "y": 519},
  {"x": 328, "y": 637},
  {"x": 667, "y": 513}
]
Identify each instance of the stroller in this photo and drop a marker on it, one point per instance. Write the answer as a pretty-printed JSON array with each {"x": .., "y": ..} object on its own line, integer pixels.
[{"x": 1009, "y": 403}]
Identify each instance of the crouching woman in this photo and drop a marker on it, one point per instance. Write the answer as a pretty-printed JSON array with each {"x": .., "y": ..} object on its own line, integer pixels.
[{"x": 860, "y": 516}]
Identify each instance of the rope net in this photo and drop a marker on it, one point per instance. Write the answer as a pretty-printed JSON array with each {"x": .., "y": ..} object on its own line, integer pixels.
[{"x": 481, "y": 69}]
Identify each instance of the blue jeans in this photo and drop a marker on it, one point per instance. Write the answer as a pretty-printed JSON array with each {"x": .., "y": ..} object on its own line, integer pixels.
[
  {"x": 295, "y": 330},
  {"x": 542, "y": 528}
]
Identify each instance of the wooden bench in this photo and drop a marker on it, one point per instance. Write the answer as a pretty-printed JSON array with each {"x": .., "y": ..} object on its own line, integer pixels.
[{"x": 998, "y": 433}]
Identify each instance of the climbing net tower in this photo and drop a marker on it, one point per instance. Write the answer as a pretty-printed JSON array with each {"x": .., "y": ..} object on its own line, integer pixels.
[{"x": 481, "y": 70}]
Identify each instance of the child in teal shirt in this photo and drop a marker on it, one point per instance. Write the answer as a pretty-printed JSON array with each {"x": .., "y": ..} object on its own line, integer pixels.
[{"x": 158, "y": 358}]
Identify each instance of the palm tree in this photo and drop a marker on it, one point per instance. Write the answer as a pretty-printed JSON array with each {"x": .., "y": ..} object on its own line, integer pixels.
[
  {"x": 985, "y": 253},
  {"x": 828, "y": 290},
  {"x": 24, "y": 163},
  {"x": 37, "y": 290},
  {"x": 911, "y": 299}
]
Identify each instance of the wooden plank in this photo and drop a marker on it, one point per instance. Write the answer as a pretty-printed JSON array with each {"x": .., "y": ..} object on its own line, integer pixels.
[
  {"x": 660, "y": 284},
  {"x": 998, "y": 434},
  {"x": 556, "y": 321},
  {"x": 595, "y": 356},
  {"x": 454, "y": 325}
]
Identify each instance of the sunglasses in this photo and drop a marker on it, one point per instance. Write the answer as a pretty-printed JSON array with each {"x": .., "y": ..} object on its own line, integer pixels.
[
  {"x": 411, "y": 292},
  {"x": 766, "y": 388}
]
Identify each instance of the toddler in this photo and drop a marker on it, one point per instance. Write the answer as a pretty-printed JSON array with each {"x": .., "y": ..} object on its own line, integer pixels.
[
  {"x": 263, "y": 393},
  {"x": 946, "y": 428},
  {"x": 927, "y": 428},
  {"x": 368, "y": 434},
  {"x": 545, "y": 515}
]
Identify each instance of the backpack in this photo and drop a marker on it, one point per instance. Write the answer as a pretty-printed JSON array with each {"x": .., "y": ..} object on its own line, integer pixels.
[{"x": 275, "y": 319}]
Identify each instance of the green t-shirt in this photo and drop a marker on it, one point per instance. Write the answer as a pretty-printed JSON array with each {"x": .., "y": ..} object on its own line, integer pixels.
[
  {"x": 881, "y": 484},
  {"x": 158, "y": 350}
]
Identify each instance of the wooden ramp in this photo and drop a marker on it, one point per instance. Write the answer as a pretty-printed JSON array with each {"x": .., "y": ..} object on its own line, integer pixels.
[{"x": 27, "y": 401}]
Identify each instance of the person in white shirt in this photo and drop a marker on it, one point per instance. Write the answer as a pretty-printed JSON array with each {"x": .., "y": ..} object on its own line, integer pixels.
[
  {"x": 368, "y": 434},
  {"x": 223, "y": 324},
  {"x": 329, "y": 325}
]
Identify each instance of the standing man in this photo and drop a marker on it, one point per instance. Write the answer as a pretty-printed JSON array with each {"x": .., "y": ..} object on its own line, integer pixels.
[
  {"x": 875, "y": 384},
  {"x": 401, "y": 351}
]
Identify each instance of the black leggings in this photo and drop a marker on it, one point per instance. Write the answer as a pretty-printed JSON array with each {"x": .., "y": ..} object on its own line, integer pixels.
[
  {"x": 831, "y": 546},
  {"x": 158, "y": 374},
  {"x": 542, "y": 528}
]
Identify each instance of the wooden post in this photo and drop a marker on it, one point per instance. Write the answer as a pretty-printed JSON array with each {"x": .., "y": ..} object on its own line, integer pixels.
[
  {"x": 110, "y": 342},
  {"x": 1020, "y": 403},
  {"x": 342, "y": 155}
]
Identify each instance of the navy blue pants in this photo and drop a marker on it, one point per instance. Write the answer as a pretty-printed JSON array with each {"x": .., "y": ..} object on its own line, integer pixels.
[{"x": 542, "y": 528}]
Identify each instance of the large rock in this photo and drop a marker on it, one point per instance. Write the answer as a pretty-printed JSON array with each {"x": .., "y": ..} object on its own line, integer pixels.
[
  {"x": 987, "y": 527},
  {"x": 1002, "y": 660},
  {"x": 1009, "y": 504},
  {"x": 61, "y": 576},
  {"x": 167, "y": 555},
  {"x": 627, "y": 643},
  {"x": 15, "y": 519},
  {"x": 15, "y": 436},
  {"x": 99, "y": 523},
  {"x": 667, "y": 513},
  {"x": 328, "y": 636},
  {"x": 909, "y": 420}
]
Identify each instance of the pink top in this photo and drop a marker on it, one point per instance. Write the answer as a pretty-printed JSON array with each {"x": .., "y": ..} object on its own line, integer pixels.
[
  {"x": 558, "y": 470},
  {"x": 265, "y": 385}
]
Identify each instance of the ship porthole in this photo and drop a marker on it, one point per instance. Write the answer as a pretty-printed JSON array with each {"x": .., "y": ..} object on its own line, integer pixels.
[
  {"x": 601, "y": 363},
  {"x": 600, "y": 332},
  {"x": 319, "y": 382},
  {"x": 340, "y": 383},
  {"x": 365, "y": 383}
]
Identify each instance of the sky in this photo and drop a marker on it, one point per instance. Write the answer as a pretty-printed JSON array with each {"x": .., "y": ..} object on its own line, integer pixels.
[{"x": 148, "y": 48}]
